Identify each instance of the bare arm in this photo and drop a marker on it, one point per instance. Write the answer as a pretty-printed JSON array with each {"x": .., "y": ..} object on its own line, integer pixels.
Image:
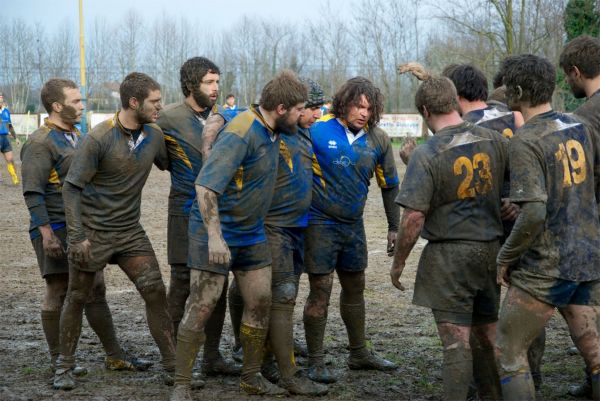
[
  {"x": 410, "y": 228},
  {"x": 218, "y": 251},
  {"x": 213, "y": 124}
]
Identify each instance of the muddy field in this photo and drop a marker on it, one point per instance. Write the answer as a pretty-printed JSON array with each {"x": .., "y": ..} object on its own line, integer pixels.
[{"x": 398, "y": 330}]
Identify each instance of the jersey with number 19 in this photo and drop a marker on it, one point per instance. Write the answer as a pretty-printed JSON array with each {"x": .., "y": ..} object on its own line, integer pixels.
[{"x": 456, "y": 179}]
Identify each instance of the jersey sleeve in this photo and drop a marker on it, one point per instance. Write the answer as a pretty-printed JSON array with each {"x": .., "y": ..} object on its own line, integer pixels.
[
  {"x": 85, "y": 163},
  {"x": 36, "y": 168},
  {"x": 527, "y": 180},
  {"x": 416, "y": 191},
  {"x": 224, "y": 161},
  {"x": 385, "y": 170}
]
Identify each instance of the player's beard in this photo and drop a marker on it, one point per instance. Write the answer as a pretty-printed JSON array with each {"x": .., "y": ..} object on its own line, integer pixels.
[
  {"x": 202, "y": 98},
  {"x": 142, "y": 116},
  {"x": 578, "y": 91},
  {"x": 282, "y": 125},
  {"x": 68, "y": 115}
]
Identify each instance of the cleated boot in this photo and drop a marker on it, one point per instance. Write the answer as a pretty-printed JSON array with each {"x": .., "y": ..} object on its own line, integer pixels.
[
  {"x": 581, "y": 391},
  {"x": 300, "y": 349},
  {"x": 79, "y": 371},
  {"x": 197, "y": 382},
  {"x": 221, "y": 367},
  {"x": 322, "y": 374},
  {"x": 238, "y": 354},
  {"x": 131, "y": 364},
  {"x": 258, "y": 385},
  {"x": 63, "y": 380},
  {"x": 300, "y": 384},
  {"x": 181, "y": 392},
  {"x": 270, "y": 370},
  {"x": 365, "y": 359}
]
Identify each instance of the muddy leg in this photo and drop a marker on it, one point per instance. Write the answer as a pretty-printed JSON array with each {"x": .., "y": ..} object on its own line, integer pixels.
[
  {"x": 179, "y": 290},
  {"x": 457, "y": 369},
  {"x": 485, "y": 369},
  {"x": 56, "y": 290}
]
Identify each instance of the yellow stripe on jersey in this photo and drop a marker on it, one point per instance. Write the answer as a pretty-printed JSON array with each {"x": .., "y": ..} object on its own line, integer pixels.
[
  {"x": 240, "y": 125},
  {"x": 381, "y": 181},
  {"x": 287, "y": 156},
  {"x": 239, "y": 178},
  {"x": 53, "y": 179},
  {"x": 317, "y": 170},
  {"x": 326, "y": 117},
  {"x": 175, "y": 147}
]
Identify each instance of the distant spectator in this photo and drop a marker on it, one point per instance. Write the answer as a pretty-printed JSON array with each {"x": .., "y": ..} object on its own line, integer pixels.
[
  {"x": 325, "y": 108},
  {"x": 6, "y": 127},
  {"x": 230, "y": 102}
]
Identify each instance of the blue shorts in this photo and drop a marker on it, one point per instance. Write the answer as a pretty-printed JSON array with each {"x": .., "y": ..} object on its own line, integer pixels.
[
  {"x": 244, "y": 258},
  {"x": 341, "y": 247},
  {"x": 287, "y": 250},
  {"x": 5, "y": 145}
]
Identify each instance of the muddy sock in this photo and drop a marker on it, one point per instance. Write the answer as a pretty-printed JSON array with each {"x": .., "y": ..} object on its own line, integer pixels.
[
  {"x": 534, "y": 357},
  {"x": 188, "y": 345},
  {"x": 100, "y": 320},
  {"x": 281, "y": 338},
  {"x": 485, "y": 372},
  {"x": 236, "y": 310},
  {"x": 51, "y": 327},
  {"x": 595, "y": 379},
  {"x": 179, "y": 290},
  {"x": 70, "y": 330},
  {"x": 353, "y": 316},
  {"x": 214, "y": 328},
  {"x": 314, "y": 328},
  {"x": 518, "y": 386},
  {"x": 253, "y": 343},
  {"x": 13, "y": 173},
  {"x": 457, "y": 372}
]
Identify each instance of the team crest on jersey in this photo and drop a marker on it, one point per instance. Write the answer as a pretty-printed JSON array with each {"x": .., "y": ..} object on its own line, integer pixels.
[
  {"x": 332, "y": 144},
  {"x": 343, "y": 161}
]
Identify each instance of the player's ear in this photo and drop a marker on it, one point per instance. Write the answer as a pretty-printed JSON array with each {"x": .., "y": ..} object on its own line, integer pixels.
[
  {"x": 519, "y": 92},
  {"x": 133, "y": 103},
  {"x": 576, "y": 71},
  {"x": 280, "y": 109},
  {"x": 425, "y": 112},
  {"x": 57, "y": 107}
]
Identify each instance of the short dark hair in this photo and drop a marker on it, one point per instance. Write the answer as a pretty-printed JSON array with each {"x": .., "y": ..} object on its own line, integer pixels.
[
  {"x": 498, "y": 80},
  {"x": 438, "y": 95},
  {"x": 469, "y": 81},
  {"x": 582, "y": 52},
  {"x": 535, "y": 75},
  {"x": 229, "y": 96},
  {"x": 285, "y": 89},
  {"x": 137, "y": 85},
  {"x": 349, "y": 95},
  {"x": 53, "y": 91},
  {"x": 192, "y": 72}
]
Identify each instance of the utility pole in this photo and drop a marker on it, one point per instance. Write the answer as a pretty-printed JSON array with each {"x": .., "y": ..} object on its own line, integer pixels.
[{"x": 82, "y": 69}]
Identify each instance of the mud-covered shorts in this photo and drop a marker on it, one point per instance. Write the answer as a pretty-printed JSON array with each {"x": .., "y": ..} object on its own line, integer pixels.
[
  {"x": 457, "y": 280},
  {"x": 5, "y": 145},
  {"x": 109, "y": 246},
  {"x": 287, "y": 251},
  {"x": 49, "y": 266},
  {"x": 341, "y": 247},
  {"x": 177, "y": 239},
  {"x": 555, "y": 291},
  {"x": 244, "y": 258}
]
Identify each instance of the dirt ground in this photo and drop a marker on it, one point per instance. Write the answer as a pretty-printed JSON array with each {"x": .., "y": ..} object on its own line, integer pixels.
[{"x": 398, "y": 330}]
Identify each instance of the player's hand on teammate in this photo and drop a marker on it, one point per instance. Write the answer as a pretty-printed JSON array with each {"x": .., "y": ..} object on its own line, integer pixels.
[
  {"x": 391, "y": 242},
  {"x": 509, "y": 211},
  {"x": 395, "y": 273},
  {"x": 52, "y": 246},
  {"x": 503, "y": 276},
  {"x": 218, "y": 251},
  {"x": 408, "y": 146},
  {"x": 79, "y": 252}
]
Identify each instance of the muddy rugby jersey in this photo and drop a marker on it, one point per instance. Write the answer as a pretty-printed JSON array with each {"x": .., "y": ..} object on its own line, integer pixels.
[
  {"x": 495, "y": 117},
  {"x": 46, "y": 158},
  {"x": 4, "y": 121},
  {"x": 344, "y": 166},
  {"x": 183, "y": 128},
  {"x": 241, "y": 169},
  {"x": 455, "y": 179},
  {"x": 551, "y": 161},
  {"x": 112, "y": 169}
]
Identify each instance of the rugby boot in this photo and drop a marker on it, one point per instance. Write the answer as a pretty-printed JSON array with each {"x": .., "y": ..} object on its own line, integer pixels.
[
  {"x": 238, "y": 354},
  {"x": 322, "y": 374},
  {"x": 300, "y": 349},
  {"x": 221, "y": 367},
  {"x": 181, "y": 392},
  {"x": 131, "y": 364},
  {"x": 63, "y": 379},
  {"x": 258, "y": 385},
  {"x": 364, "y": 359},
  {"x": 196, "y": 383},
  {"x": 270, "y": 370},
  {"x": 300, "y": 384}
]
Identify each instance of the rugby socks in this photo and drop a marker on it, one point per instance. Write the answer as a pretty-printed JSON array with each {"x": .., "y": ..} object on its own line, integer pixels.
[
  {"x": 253, "y": 342},
  {"x": 314, "y": 328},
  {"x": 595, "y": 376},
  {"x": 188, "y": 345},
  {"x": 236, "y": 311},
  {"x": 179, "y": 290},
  {"x": 535, "y": 354},
  {"x": 214, "y": 329},
  {"x": 13, "y": 173},
  {"x": 457, "y": 372},
  {"x": 353, "y": 316},
  {"x": 518, "y": 386},
  {"x": 485, "y": 372},
  {"x": 51, "y": 327},
  {"x": 100, "y": 319},
  {"x": 281, "y": 338}
]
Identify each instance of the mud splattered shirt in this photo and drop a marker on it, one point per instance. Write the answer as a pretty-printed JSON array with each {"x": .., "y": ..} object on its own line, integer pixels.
[
  {"x": 494, "y": 117},
  {"x": 46, "y": 158},
  {"x": 590, "y": 112},
  {"x": 183, "y": 128},
  {"x": 551, "y": 161},
  {"x": 112, "y": 175},
  {"x": 241, "y": 169},
  {"x": 455, "y": 179},
  {"x": 344, "y": 166},
  {"x": 293, "y": 188}
]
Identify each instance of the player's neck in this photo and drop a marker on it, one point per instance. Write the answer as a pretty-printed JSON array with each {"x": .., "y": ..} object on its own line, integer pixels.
[
  {"x": 58, "y": 122},
  {"x": 128, "y": 119},
  {"x": 592, "y": 86},
  {"x": 193, "y": 105},
  {"x": 269, "y": 117},
  {"x": 468, "y": 107},
  {"x": 530, "y": 112},
  {"x": 438, "y": 122}
]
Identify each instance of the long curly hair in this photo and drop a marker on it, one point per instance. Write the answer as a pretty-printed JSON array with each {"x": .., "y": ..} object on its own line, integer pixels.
[{"x": 349, "y": 95}]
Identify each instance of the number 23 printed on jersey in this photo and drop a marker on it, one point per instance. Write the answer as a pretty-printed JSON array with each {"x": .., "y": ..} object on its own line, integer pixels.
[{"x": 472, "y": 186}]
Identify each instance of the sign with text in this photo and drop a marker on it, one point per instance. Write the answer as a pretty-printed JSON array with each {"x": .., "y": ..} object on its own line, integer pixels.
[{"x": 402, "y": 125}]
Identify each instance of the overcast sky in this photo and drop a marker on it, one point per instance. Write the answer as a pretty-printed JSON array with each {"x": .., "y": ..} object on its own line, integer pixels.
[{"x": 217, "y": 15}]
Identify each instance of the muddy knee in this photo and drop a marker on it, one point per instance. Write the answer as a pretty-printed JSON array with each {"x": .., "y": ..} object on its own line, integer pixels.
[
  {"x": 285, "y": 293},
  {"x": 150, "y": 286}
]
